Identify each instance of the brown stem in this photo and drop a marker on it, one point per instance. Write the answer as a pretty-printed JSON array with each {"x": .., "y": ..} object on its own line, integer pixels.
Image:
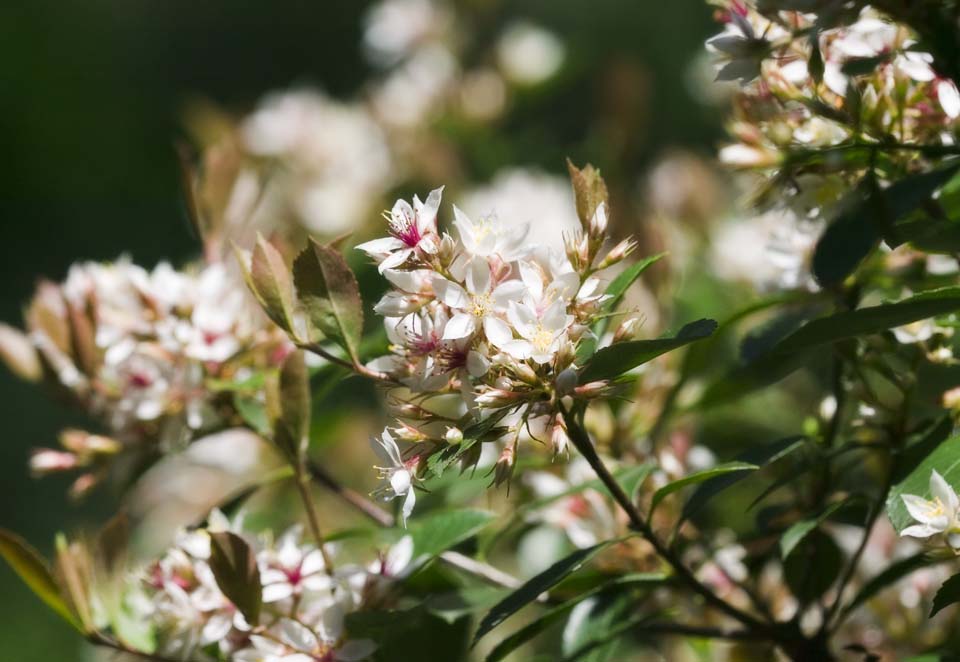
[
  {"x": 583, "y": 444},
  {"x": 303, "y": 487},
  {"x": 98, "y": 639}
]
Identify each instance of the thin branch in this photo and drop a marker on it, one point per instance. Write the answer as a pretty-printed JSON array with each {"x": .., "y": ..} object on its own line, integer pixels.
[
  {"x": 303, "y": 488},
  {"x": 98, "y": 639},
  {"x": 583, "y": 444}
]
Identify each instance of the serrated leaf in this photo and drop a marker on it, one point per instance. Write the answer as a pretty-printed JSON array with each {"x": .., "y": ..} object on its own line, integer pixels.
[
  {"x": 761, "y": 456},
  {"x": 617, "y": 359},
  {"x": 699, "y": 477},
  {"x": 534, "y": 586},
  {"x": 27, "y": 563},
  {"x": 329, "y": 295},
  {"x": 273, "y": 285},
  {"x": 554, "y": 615},
  {"x": 948, "y": 594},
  {"x": 800, "y": 530},
  {"x": 234, "y": 566},
  {"x": 437, "y": 533}
]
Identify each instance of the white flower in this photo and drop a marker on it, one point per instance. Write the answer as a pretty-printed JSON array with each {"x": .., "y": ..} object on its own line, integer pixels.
[
  {"x": 291, "y": 641},
  {"x": 542, "y": 333},
  {"x": 397, "y": 477},
  {"x": 489, "y": 236},
  {"x": 936, "y": 516},
  {"x": 741, "y": 51},
  {"x": 479, "y": 305},
  {"x": 291, "y": 569},
  {"x": 411, "y": 229}
]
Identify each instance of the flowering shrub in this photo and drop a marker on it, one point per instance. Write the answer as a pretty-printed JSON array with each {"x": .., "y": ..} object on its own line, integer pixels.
[{"x": 518, "y": 365}]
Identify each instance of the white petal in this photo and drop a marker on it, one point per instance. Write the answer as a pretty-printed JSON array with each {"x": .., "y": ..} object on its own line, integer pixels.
[
  {"x": 949, "y": 98},
  {"x": 460, "y": 325},
  {"x": 940, "y": 489},
  {"x": 297, "y": 636},
  {"x": 919, "y": 531},
  {"x": 497, "y": 331},
  {"x": 519, "y": 349},
  {"x": 478, "y": 276},
  {"x": 381, "y": 247},
  {"x": 408, "y": 504},
  {"x": 400, "y": 481},
  {"x": 451, "y": 294},
  {"x": 277, "y": 592},
  {"x": 920, "y": 509},
  {"x": 507, "y": 291},
  {"x": 477, "y": 364}
]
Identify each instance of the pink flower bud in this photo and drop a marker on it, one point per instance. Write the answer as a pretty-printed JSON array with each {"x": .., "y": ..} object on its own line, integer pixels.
[{"x": 45, "y": 461}]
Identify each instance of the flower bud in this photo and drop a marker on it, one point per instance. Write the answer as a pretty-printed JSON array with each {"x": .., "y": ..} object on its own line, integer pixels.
[
  {"x": 408, "y": 433},
  {"x": 82, "y": 442},
  {"x": 566, "y": 381},
  {"x": 628, "y": 329},
  {"x": 497, "y": 397},
  {"x": 18, "y": 353},
  {"x": 618, "y": 253},
  {"x": 559, "y": 438},
  {"x": 453, "y": 436},
  {"x": 951, "y": 399},
  {"x": 45, "y": 461},
  {"x": 592, "y": 389},
  {"x": 526, "y": 374},
  {"x": 504, "y": 467}
]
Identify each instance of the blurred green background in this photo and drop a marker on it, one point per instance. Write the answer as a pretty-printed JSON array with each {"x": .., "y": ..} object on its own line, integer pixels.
[{"x": 93, "y": 95}]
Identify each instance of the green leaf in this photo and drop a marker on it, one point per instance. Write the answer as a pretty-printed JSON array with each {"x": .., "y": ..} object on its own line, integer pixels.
[
  {"x": 411, "y": 635},
  {"x": 697, "y": 478},
  {"x": 253, "y": 412},
  {"x": 800, "y": 530},
  {"x": 234, "y": 566},
  {"x": 328, "y": 292},
  {"x": 589, "y": 190},
  {"x": 846, "y": 241},
  {"x": 892, "y": 574},
  {"x": 906, "y": 195},
  {"x": 534, "y": 586},
  {"x": 293, "y": 427},
  {"x": 617, "y": 359},
  {"x": 439, "y": 532},
  {"x": 948, "y": 594},
  {"x": 619, "y": 285},
  {"x": 35, "y": 573},
  {"x": 272, "y": 283},
  {"x": 758, "y": 455},
  {"x": 801, "y": 346},
  {"x": 555, "y": 614},
  {"x": 910, "y": 457},
  {"x": 593, "y": 630},
  {"x": 945, "y": 460},
  {"x": 813, "y": 567}
]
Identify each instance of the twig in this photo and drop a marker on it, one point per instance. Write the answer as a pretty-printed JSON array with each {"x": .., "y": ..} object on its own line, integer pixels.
[
  {"x": 103, "y": 641},
  {"x": 583, "y": 444},
  {"x": 303, "y": 487}
]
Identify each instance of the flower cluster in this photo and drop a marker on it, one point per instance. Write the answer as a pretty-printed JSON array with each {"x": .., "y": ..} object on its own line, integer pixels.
[
  {"x": 489, "y": 319},
  {"x": 139, "y": 350},
  {"x": 305, "y": 601}
]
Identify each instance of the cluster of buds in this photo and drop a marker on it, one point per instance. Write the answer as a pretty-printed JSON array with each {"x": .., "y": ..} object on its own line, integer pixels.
[
  {"x": 812, "y": 81},
  {"x": 485, "y": 330},
  {"x": 301, "y": 602},
  {"x": 138, "y": 350}
]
